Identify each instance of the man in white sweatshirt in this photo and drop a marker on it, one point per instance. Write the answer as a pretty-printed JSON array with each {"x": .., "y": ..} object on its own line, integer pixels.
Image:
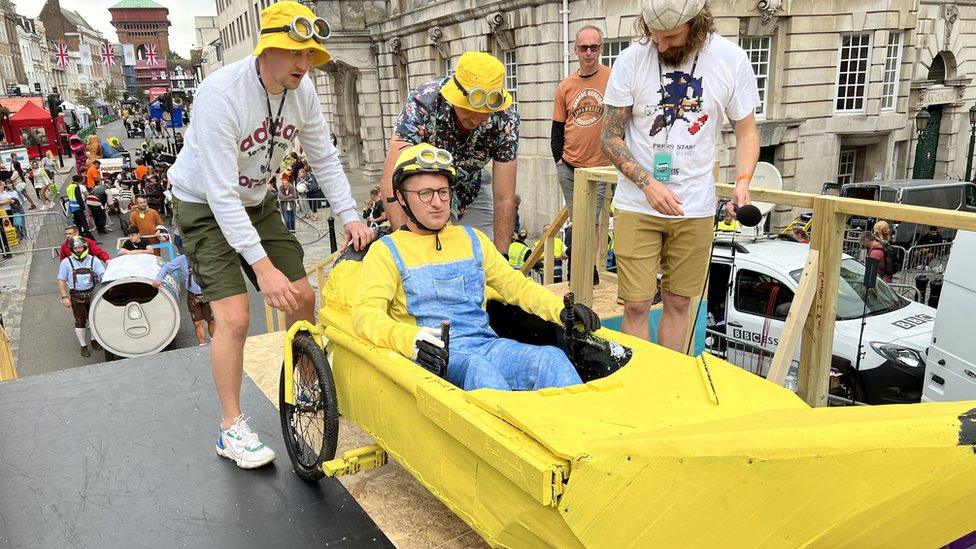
[{"x": 247, "y": 116}]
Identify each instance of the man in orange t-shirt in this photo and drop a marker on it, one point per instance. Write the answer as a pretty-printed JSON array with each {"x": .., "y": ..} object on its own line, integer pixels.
[
  {"x": 577, "y": 116},
  {"x": 92, "y": 175},
  {"x": 146, "y": 219},
  {"x": 141, "y": 169}
]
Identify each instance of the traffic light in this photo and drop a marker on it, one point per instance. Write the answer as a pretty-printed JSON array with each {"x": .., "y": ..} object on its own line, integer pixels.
[
  {"x": 166, "y": 102},
  {"x": 54, "y": 104}
]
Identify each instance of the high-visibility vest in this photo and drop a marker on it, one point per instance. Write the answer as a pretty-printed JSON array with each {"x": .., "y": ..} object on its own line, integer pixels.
[
  {"x": 557, "y": 247},
  {"x": 73, "y": 199},
  {"x": 516, "y": 254}
]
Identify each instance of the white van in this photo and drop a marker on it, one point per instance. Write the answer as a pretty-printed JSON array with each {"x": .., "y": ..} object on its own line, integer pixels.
[
  {"x": 750, "y": 300},
  {"x": 950, "y": 371}
]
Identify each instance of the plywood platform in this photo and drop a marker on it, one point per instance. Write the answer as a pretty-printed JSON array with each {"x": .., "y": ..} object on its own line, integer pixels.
[
  {"x": 403, "y": 509},
  {"x": 604, "y": 295}
]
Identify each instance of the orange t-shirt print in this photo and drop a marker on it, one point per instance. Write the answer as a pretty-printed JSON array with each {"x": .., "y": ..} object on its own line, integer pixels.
[{"x": 579, "y": 104}]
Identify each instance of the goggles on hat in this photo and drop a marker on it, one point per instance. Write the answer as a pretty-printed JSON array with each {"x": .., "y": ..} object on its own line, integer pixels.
[
  {"x": 303, "y": 29},
  {"x": 435, "y": 158},
  {"x": 482, "y": 98}
]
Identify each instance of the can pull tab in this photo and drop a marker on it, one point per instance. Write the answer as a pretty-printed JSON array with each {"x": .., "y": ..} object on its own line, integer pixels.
[{"x": 135, "y": 324}]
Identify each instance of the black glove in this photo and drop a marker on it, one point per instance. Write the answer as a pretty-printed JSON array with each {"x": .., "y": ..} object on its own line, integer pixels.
[
  {"x": 430, "y": 353},
  {"x": 583, "y": 315}
]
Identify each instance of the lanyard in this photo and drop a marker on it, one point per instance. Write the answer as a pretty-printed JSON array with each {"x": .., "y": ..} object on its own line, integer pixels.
[
  {"x": 660, "y": 72},
  {"x": 271, "y": 121}
]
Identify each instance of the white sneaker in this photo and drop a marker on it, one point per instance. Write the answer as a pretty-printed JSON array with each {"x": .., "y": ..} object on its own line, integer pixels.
[{"x": 241, "y": 445}]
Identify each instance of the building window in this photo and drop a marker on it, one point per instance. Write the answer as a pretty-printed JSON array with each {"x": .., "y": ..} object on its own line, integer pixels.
[
  {"x": 852, "y": 72},
  {"x": 846, "y": 166},
  {"x": 511, "y": 73},
  {"x": 758, "y": 48},
  {"x": 447, "y": 66},
  {"x": 611, "y": 50},
  {"x": 889, "y": 89}
]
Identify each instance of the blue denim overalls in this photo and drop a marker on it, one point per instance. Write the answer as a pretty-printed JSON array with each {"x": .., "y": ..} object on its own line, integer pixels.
[{"x": 479, "y": 359}]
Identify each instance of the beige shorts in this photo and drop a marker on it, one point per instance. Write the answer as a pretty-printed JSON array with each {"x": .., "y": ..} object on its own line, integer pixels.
[{"x": 646, "y": 245}]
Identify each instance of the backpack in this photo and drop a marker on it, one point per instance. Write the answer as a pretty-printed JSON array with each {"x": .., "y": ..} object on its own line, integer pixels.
[{"x": 894, "y": 258}]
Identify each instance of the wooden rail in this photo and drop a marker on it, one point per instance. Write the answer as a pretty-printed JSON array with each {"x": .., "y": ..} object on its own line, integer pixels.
[{"x": 830, "y": 216}]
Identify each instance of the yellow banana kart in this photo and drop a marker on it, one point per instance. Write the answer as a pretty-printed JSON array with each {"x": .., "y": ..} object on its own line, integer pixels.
[{"x": 668, "y": 451}]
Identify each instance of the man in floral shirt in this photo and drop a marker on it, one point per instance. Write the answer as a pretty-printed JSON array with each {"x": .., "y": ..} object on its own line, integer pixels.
[{"x": 470, "y": 114}]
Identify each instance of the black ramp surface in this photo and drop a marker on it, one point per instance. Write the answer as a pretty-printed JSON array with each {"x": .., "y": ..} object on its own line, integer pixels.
[{"x": 122, "y": 455}]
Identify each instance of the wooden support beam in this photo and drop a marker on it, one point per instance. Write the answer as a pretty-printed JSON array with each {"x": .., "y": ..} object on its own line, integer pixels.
[
  {"x": 818, "y": 330},
  {"x": 549, "y": 261},
  {"x": 793, "y": 328},
  {"x": 584, "y": 247},
  {"x": 554, "y": 228}
]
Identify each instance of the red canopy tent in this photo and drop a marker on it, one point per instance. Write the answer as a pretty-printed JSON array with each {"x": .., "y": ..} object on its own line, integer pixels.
[{"x": 32, "y": 119}]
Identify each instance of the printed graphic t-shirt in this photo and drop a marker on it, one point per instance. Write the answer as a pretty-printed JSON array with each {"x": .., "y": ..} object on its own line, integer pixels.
[
  {"x": 225, "y": 160},
  {"x": 579, "y": 103},
  {"x": 684, "y": 120}
]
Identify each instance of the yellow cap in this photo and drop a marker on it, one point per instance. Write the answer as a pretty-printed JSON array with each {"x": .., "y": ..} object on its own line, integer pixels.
[
  {"x": 281, "y": 14},
  {"x": 476, "y": 69}
]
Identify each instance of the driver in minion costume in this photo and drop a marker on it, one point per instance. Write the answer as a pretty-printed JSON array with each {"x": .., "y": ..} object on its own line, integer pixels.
[
  {"x": 430, "y": 271},
  {"x": 78, "y": 275}
]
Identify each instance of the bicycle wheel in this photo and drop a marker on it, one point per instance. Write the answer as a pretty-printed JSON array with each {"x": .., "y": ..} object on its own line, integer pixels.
[{"x": 310, "y": 427}]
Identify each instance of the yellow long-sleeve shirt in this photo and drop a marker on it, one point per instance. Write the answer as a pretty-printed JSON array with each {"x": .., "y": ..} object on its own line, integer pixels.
[{"x": 379, "y": 312}]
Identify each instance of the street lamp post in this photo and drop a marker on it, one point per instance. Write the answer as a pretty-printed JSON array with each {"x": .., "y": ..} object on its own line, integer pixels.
[
  {"x": 972, "y": 143},
  {"x": 921, "y": 122}
]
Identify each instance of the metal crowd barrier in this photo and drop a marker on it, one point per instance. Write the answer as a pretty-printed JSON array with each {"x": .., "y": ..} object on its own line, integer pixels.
[
  {"x": 313, "y": 221},
  {"x": 746, "y": 355},
  {"x": 33, "y": 231}
]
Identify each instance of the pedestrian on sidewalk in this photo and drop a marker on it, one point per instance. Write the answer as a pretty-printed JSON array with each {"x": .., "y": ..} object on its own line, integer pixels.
[
  {"x": 42, "y": 181},
  {"x": 16, "y": 166},
  {"x": 77, "y": 276},
  {"x": 287, "y": 200}
]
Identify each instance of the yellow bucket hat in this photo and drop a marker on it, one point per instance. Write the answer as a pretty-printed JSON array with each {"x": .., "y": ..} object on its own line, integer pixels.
[
  {"x": 478, "y": 84},
  {"x": 285, "y": 22}
]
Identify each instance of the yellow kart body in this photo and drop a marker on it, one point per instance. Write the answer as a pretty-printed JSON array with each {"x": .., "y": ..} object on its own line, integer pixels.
[{"x": 669, "y": 451}]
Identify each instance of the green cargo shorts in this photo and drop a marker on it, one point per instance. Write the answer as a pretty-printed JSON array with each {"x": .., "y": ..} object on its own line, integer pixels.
[{"x": 215, "y": 263}]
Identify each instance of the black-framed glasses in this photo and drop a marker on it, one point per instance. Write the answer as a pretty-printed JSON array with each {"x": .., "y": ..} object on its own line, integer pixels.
[
  {"x": 427, "y": 195},
  {"x": 589, "y": 47},
  {"x": 480, "y": 97},
  {"x": 303, "y": 29}
]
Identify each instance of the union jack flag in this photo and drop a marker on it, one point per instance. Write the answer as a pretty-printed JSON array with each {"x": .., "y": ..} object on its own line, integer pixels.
[
  {"x": 108, "y": 55},
  {"x": 61, "y": 54},
  {"x": 151, "y": 58}
]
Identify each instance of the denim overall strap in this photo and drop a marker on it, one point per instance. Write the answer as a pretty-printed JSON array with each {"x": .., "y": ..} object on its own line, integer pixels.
[{"x": 452, "y": 291}]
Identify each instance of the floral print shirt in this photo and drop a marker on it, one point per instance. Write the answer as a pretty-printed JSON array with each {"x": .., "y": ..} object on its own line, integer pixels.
[{"x": 429, "y": 118}]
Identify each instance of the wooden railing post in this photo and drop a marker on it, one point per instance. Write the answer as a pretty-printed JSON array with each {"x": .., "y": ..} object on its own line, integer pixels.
[
  {"x": 818, "y": 331},
  {"x": 584, "y": 247}
]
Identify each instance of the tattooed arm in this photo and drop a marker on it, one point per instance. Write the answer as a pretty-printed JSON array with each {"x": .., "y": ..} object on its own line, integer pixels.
[{"x": 661, "y": 198}]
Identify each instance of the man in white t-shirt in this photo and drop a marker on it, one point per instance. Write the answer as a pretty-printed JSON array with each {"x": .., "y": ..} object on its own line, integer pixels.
[
  {"x": 247, "y": 117},
  {"x": 666, "y": 100}
]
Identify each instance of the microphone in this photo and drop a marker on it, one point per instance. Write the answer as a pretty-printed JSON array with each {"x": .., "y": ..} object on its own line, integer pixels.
[{"x": 748, "y": 215}]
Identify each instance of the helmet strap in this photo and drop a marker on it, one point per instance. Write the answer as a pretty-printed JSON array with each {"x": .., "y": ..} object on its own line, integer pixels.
[{"x": 407, "y": 210}]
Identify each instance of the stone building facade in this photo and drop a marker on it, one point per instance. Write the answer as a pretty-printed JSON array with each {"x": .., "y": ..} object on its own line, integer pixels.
[
  {"x": 11, "y": 59},
  {"x": 33, "y": 47},
  {"x": 842, "y": 80}
]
